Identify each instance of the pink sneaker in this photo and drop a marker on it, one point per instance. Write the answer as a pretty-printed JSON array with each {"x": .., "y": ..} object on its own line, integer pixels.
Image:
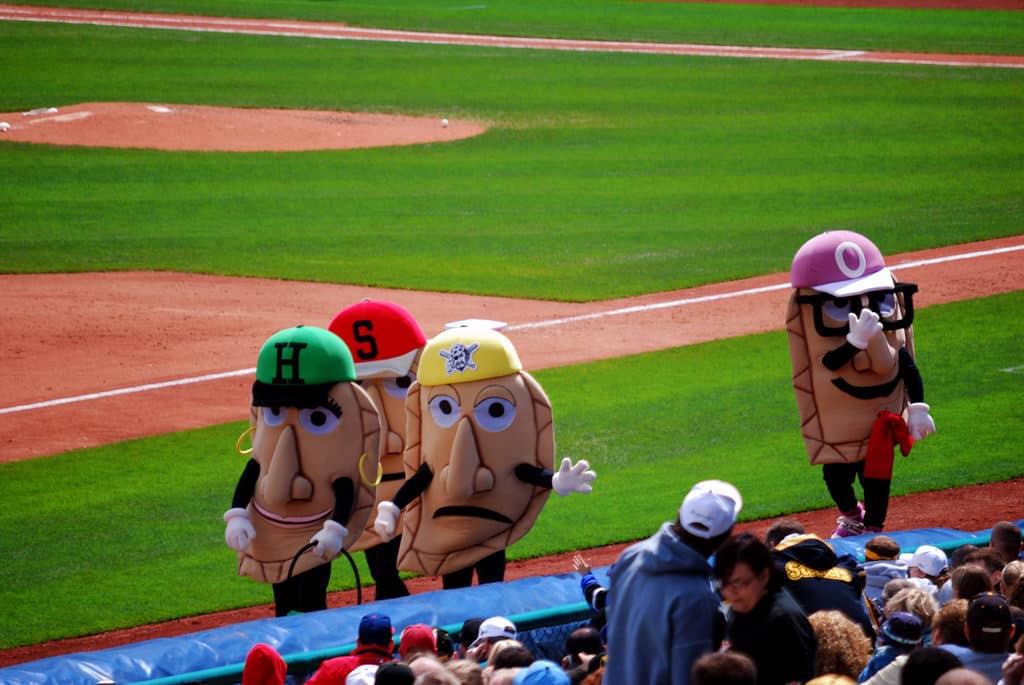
[{"x": 850, "y": 523}]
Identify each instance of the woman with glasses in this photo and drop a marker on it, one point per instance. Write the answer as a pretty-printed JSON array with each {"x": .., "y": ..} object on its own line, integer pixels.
[{"x": 765, "y": 622}]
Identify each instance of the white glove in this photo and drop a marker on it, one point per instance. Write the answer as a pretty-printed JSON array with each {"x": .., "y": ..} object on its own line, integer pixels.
[
  {"x": 239, "y": 533},
  {"x": 387, "y": 520},
  {"x": 863, "y": 328},
  {"x": 572, "y": 478},
  {"x": 329, "y": 539},
  {"x": 919, "y": 421}
]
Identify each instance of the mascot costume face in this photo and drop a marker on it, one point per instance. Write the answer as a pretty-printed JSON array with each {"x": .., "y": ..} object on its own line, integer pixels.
[
  {"x": 474, "y": 417},
  {"x": 313, "y": 431},
  {"x": 840, "y": 285},
  {"x": 385, "y": 342}
]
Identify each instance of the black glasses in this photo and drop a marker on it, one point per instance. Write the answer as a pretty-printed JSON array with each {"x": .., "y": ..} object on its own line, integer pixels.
[{"x": 895, "y": 308}]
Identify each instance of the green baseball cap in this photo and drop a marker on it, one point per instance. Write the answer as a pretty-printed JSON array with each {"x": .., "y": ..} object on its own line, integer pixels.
[{"x": 298, "y": 366}]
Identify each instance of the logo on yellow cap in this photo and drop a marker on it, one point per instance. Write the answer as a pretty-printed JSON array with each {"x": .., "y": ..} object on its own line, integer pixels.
[{"x": 461, "y": 355}]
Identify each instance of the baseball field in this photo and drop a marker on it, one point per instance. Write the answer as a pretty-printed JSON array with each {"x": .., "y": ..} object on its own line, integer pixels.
[{"x": 631, "y": 215}]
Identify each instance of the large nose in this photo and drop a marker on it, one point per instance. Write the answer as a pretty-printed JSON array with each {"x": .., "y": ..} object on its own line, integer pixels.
[
  {"x": 284, "y": 481},
  {"x": 465, "y": 475}
]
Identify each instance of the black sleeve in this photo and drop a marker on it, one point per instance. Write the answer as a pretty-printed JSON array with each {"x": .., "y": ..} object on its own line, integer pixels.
[
  {"x": 413, "y": 487},
  {"x": 835, "y": 359},
  {"x": 911, "y": 376},
  {"x": 534, "y": 475},
  {"x": 246, "y": 485},
  {"x": 344, "y": 493}
]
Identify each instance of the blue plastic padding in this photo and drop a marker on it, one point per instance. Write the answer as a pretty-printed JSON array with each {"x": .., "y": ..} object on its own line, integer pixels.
[
  {"x": 294, "y": 634},
  {"x": 334, "y": 628}
]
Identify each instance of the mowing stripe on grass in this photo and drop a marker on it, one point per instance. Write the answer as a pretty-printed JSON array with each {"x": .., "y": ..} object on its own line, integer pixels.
[
  {"x": 331, "y": 31},
  {"x": 623, "y": 311}
]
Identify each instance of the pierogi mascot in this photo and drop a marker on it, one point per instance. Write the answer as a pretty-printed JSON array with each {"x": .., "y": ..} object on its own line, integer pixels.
[
  {"x": 313, "y": 431},
  {"x": 479, "y": 454},
  {"x": 385, "y": 342},
  {"x": 858, "y": 390}
]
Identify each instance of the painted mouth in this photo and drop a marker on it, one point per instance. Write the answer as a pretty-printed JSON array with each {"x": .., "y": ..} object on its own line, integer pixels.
[
  {"x": 392, "y": 476},
  {"x": 290, "y": 521},
  {"x": 868, "y": 392},
  {"x": 474, "y": 512}
]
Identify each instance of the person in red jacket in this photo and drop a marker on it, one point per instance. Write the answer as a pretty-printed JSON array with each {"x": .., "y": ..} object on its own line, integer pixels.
[{"x": 375, "y": 645}]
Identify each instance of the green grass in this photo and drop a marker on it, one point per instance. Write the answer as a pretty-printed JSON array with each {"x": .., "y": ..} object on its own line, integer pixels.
[
  {"x": 713, "y": 23},
  {"x": 131, "y": 533},
  {"x": 603, "y": 175}
]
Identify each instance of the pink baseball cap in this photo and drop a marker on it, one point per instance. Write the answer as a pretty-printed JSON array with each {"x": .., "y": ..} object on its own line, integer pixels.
[
  {"x": 840, "y": 263},
  {"x": 383, "y": 337}
]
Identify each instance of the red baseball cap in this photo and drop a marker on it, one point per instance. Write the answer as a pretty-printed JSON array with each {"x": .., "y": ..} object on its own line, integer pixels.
[{"x": 383, "y": 337}]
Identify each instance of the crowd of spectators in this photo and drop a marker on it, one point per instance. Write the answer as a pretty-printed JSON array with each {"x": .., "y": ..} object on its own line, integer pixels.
[{"x": 696, "y": 603}]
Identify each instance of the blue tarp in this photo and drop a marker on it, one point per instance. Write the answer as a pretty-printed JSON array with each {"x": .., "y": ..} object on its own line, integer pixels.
[
  {"x": 294, "y": 634},
  {"x": 334, "y": 628}
]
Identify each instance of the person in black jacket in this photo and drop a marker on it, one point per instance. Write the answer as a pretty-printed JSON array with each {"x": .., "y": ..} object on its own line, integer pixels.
[
  {"x": 765, "y": 622},
  {"x": 818, "y": 579}
]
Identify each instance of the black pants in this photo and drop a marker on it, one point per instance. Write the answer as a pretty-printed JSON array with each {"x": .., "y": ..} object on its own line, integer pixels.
[
  {"x": 383, "y": 562},
  {"x": 490, "y": 569},
  {"x": 839, "y": 481},
  {"x": 304, "y": 592}
]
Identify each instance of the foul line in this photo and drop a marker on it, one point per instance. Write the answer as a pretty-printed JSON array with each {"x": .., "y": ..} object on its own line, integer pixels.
[
  {"x": 336, "y": 31},
  {"x": 127, "y": 391},
  {"x": 517, "y": 327}
]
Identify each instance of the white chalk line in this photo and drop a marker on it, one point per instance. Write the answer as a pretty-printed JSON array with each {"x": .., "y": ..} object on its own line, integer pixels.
[
  {"x": 128, "y": 391},
  {"x": 746, "y": 292},
  {"x": 324, "y": 30}
]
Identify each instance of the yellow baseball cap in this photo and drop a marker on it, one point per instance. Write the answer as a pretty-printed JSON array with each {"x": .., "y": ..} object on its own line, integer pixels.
[{"x": 467, "y": 353}]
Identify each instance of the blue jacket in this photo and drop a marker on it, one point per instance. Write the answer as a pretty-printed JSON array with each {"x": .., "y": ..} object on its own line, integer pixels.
[{"x": 663, "y": 612}]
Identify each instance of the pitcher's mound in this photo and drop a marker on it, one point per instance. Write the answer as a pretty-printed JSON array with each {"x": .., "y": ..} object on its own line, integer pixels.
[{"x": 224, "y": 129}]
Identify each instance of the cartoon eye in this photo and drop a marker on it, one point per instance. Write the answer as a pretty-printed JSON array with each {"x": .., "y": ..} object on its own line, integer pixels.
[
  {"x": 274, "y": 416},
  {"x": 838, "y": 308},
  {"x": 445, "y": 410},
  {"x": 399, "y": 387},
  {"x": 494, "y": 414},
  {"x": 319, "y": 421},
  {"x": 884, "y": 303}
]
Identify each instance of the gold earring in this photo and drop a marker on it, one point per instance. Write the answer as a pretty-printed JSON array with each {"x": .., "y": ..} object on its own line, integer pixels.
[
  {"x": 362, "y": 473},
  {"x": 238, "y": 443}
]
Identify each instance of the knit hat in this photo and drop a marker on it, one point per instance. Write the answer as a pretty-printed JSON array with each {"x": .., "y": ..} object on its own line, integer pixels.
[
  {"x": 881, "y": 547},
  {"x": 710, "y": 508},
  {"x": 362, "y": 675},
  {"x": 840, "y": 263},
  {"x": 930, "y": 560},
  {"x": 495, "y": 628},
  {"x": 394, "y": 673},
  {"x": 465, "y": 354},
  {"x": 382, "y": 336},
  {"x": 542, "y": 672},
  {"x": 375, "y": 629},
  {"x": 417, "y": 636},
  {"x": 298, "y": 366},
  {"x": 902, "y": 629}
]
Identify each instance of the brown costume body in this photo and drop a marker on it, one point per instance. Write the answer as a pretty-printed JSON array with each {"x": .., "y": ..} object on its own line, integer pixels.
[
  {"x": 836, "y": 426},
  {"x": 392, "y": 446},
  {"x": 475, "y": 504},
  {"x": 294, "y": 494}
]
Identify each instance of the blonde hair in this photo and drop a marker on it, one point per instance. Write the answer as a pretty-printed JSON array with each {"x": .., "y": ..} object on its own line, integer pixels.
[
  {"x": 916, "y": 601},
  {"x": 1012, "y": 573},
  {"x": 843, "y": 648},
  {"x": 468, "y": 672},
  {"x": 499, "y": 647}
]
